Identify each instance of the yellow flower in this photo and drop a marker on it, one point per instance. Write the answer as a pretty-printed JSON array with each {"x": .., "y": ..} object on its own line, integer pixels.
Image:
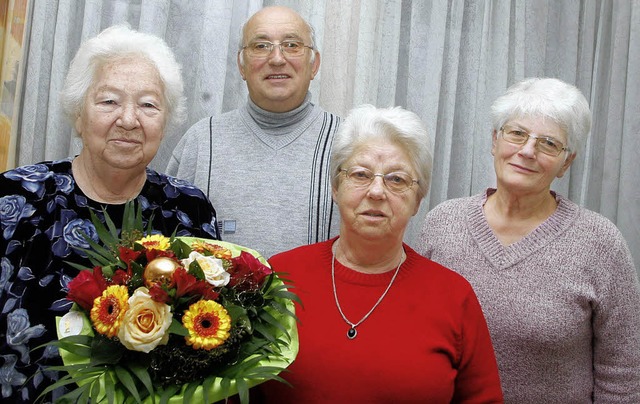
[
  {"x": 108, "y": 310},
  {"x": 215, "y": 250},
  {"x": 155, "y": 242},
  {"x": 208, "y": 323}
]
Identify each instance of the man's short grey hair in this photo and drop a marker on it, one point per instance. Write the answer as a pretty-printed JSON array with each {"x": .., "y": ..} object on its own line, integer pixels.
[
  {"x": 312, "y": 34},
  {"x": 117, "y": 42}
]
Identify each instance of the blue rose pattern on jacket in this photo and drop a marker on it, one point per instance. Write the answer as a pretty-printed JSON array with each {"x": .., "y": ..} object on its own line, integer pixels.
[
  {"x": 43, "y": 219},
  {"x": 13, "y": 208},
  {"x": 31, "y": 177}
]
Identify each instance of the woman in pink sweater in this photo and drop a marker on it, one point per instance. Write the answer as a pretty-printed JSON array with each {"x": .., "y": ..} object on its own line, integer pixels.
[
  {"x": 556, "y": 282},
  {"x": 378, "y": 322}
]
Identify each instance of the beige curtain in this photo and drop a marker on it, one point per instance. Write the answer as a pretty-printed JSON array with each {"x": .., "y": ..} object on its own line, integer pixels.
[
  {"x": 13, "y": 23},
  {"x": 445, "y": 60}
]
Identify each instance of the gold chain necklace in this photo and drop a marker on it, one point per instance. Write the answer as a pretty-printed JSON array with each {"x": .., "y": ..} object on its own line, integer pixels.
[{"x": 352, "y": 332}]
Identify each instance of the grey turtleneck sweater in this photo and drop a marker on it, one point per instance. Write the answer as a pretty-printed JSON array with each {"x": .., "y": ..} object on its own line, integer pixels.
[
  {"x": 562, "y": 304},
  {"x": 267, "y": 174}
]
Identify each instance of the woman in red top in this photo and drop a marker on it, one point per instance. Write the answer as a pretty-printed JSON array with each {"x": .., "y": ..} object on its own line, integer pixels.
[{"x": 378, "y": 322}]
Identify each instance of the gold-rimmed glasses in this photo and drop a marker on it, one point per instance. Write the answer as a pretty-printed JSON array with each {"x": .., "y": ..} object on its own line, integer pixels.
[{"x": 545, "y": 144}]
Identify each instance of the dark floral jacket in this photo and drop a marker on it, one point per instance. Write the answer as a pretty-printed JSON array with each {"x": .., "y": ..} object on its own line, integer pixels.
[{"x": 43, "y": 216}]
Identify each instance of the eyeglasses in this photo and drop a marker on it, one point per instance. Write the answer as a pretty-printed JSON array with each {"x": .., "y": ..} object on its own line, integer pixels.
[
  {"x": 544, "y": 144},
  {"x": 262, "y": 49},
  {"x": 363, "y": 177}
]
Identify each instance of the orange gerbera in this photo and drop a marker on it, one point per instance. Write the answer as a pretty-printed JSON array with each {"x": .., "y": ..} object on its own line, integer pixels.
[
  {"x": 208, "y": 323},
  {"x": 214, "y": 249},
  {"x": 108, "y": 310}
]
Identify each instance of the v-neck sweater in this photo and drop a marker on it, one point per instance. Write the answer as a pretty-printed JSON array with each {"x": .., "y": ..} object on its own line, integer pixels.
[{"x": 562, "y": 304}]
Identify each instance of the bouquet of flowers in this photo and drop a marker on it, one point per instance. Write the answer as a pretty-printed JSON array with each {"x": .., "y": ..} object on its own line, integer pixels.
[{"x": 172, "y": 319}]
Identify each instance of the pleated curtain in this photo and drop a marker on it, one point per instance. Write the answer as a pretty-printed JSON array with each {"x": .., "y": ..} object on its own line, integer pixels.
[{"x": 445, "y": 60}]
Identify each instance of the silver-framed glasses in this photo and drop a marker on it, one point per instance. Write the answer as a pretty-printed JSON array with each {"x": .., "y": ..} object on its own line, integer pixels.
[
  {"x": 262, "y": 49},
  {"x": 361, "y": 177}
]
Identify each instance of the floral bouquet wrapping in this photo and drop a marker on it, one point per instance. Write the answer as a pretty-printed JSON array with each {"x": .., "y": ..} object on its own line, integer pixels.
[{"x": 177, "y": 319}]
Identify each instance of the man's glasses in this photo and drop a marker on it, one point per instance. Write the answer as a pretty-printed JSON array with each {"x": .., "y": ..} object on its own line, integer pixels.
[
  {"x": 363, "y": 177},
  {"x": 544, "y": 144},
  {"x": 262, "y": 49}
]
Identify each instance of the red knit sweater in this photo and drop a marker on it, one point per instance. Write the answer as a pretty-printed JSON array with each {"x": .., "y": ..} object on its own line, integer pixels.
[{"x": 426, "y": 342}]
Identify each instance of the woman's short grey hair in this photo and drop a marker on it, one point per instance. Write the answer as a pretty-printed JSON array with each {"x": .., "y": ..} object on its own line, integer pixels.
[
  {"x": 117, "y": 42},
  {"x": 395, "y": 124},
  {"x": 548, "y": 98}
]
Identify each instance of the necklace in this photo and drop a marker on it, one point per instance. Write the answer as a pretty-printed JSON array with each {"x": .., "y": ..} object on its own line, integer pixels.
[{"x": 352, "y": 332}]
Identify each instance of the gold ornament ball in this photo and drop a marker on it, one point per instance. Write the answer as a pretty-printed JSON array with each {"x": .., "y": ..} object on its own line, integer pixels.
[{"x": 160, "y": 270}]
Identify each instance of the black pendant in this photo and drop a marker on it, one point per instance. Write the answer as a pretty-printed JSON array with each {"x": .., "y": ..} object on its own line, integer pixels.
[{"x": 351, "y": 334}]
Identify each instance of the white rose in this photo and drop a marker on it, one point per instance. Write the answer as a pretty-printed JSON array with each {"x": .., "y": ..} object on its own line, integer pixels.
[
  {"x": 145, "y": 323},
  {"x": 212, "y": 267}
]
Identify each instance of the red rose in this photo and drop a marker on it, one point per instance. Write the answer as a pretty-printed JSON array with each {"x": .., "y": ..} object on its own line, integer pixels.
[
  {"x": 183, "y": 281},
  {"x": 121, "y": 277},
  {"x": 204, "y": 289},
  {"x": 152, "y": 254},
  {"x": 158, "y": 294},
  {"x": 127, "y": 254},
  {"x": 84, "y": 288},
  {"x": 187, "y": 284},
  {"x": 247, "y": 272}
]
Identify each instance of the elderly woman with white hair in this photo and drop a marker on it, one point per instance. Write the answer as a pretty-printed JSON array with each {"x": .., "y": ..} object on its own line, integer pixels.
[
  {"x": 556, "y": 281},
  {"x": 122, "y": 89},
  {"x": 378, "y": 322}
]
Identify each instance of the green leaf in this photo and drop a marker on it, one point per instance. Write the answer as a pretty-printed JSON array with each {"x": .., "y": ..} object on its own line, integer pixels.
[
  {"x": 177, "y": 328},
  {"x": 189, "y": 392},
  {"x": 168, "y": 392},
  {"x": 282, "y": 309},
  {"x": 76, "y": 266},
  {"x": 268, "y": 282},
  {"x": 67, "y": 380},
  {"x": 110, "y": 232},
  {"x": 128, "y": 217},
  {"x": 80, "y": 369},
  {"x": 110, "y": 389},
  {"x": 109, "y": 236},
  {"x": 141, "y": 372},
  {"x": 95, "y": 391},
  {"x": 70, "y": 342},
  {"x": 127, "y": 381},
  {"x": 137, "y": 278},
  {"x": 106, "y": 351},
  {"x": 266, "y": 316},
  {"x": 196, "y": 270},
  {"x": 235, "y": 311},
  {"x": 100, "y": 256},
  {"x": 282, "y": 293},
  {"x": 225, "y": 386},
  {"x": 207, "y": 384},
  {"x": 243, "y": 390},
  {"x": 76, "y": 394},
  {"x": 180, "y": 248}
]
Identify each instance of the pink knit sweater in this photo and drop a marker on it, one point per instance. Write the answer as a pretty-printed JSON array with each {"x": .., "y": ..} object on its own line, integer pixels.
[{"x": 562, "y": 304}]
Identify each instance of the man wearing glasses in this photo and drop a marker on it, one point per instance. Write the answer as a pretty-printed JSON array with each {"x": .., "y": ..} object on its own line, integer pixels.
[{"x": 265, "y": 165}]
